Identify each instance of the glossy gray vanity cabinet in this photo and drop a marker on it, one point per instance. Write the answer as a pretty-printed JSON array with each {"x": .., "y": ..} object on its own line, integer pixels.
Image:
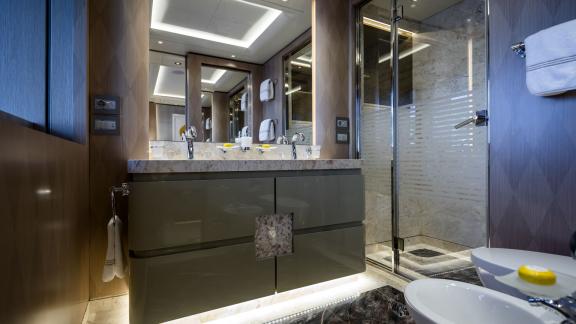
[
  {"x": 321, "y": 200},
  {"x": 173, "y": 286},
  {"x": 176, "y": 213},
  {"x": 321, "y": 256}
]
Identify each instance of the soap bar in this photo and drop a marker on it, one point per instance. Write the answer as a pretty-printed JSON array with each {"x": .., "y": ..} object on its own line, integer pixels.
[{"x": 537, "y": 275}]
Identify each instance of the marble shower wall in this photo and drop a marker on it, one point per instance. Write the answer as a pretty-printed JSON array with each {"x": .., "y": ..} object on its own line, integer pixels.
[
  {"x": 443, "y": 171},
  {"x": 443, "y": 179},
  {"x": 377, "y": 154}
]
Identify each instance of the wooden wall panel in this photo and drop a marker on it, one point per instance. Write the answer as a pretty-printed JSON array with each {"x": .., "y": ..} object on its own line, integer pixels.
[
  {"x": 119, "y": 50},
  {"x": 274, "y": 70},
  {"x": 194, "y": 64},
  {"x": 152, "y": 131},
  {"x": 331, "y": 41},
  {"x": 220, "y": 117},
  {"x": 45, "y": 226},
  {"x": 533, "y": 139}
]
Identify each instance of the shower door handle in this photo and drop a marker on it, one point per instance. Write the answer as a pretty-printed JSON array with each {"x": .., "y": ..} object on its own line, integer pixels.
[{"x": 480, "y": 118}]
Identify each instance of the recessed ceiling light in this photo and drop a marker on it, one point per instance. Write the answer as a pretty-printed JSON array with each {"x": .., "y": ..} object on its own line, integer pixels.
[
  {"x": 159, "y": 8},
  {"x": 178, "y": 63},
  {"x": 216, "y": 75},
  {"x": 291, "y": 91},
  {"x": 401, "y": 55},
  {"x": 232, "y": 56},
  {"x": 160, "y": 42},
  {"x": 386, "y": 27},
  {"x": 300, "y": 64},
  {"x": 413, "y": 5}
]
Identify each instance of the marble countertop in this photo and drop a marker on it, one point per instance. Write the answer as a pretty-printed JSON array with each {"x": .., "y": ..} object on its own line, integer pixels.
[{"x": 191, "y": 166}]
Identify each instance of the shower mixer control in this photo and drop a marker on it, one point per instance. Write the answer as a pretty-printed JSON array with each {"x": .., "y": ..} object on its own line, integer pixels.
[{"x": 480, "y": 118}]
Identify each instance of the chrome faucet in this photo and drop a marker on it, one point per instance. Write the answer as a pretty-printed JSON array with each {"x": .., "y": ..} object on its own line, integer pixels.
[
  {"x": 282, "y": 139},
  {"x": 189, "y": 136},
  {"x": 565, "y": 306},
  {"x": 296, "y": 137}
]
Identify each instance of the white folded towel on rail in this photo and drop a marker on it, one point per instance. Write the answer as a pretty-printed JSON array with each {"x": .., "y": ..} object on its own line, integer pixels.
[
  {"x": 114, "y": 265},
  {"x": 551, "y": 60}
]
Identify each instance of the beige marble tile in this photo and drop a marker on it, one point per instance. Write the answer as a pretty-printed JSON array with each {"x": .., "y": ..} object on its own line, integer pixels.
[{"x": 112, "y": 310}]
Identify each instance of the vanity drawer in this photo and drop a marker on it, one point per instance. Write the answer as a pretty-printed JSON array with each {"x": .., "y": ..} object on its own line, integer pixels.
[
  {"x": 167, "y": 214},
  {"x": 173, "y": 286},
  {"x": 322, "y": 256},
  {"x": 321, "y": 200}
]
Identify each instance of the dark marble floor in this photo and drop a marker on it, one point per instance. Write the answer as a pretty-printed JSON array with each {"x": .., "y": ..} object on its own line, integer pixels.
[
  {"x": 425, "y": 253},
  {"x": 378, "y": 306},
  {"x": 468, "y": 275}
]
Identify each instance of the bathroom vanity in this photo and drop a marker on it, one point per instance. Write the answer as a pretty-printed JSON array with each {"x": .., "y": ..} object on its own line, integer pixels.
[{"x": 192, "y": 230}]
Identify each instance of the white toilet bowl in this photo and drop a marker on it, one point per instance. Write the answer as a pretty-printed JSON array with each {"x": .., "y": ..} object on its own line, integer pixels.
[{"x": 491, "y": 262}]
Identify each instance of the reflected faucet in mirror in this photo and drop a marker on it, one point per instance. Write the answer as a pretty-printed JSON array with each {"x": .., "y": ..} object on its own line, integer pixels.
[
  {"x": 296, "y": 137},
  {"x": 282, "y": 139},
  {"x": 189, "y": 136}
]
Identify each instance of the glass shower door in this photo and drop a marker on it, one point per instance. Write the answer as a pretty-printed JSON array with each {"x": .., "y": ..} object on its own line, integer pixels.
[{"x": 440, "y": 176}]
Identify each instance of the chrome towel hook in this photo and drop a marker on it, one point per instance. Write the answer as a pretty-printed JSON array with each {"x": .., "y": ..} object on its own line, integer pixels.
[
  {"x": 519, "y": 49},
  {"x": 124, "y": 189}
]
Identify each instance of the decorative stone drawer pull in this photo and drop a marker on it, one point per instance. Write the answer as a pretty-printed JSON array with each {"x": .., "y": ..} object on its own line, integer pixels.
[{"x": 273, "y": 235}]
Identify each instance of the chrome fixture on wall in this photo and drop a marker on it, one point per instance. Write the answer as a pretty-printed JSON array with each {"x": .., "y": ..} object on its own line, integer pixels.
[
  {"x": 123, "y": 189},
  {"x": 189, "y": 136},
  {"x": 480, "y": 118},
  {"x": 519, "y": 49},
  {"x": 297, "y": 137}
]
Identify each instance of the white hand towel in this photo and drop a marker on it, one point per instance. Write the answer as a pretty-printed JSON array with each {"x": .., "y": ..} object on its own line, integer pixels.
[
  {"x": 244, "y": 102},
  {"x": 551, "y": 60},
  {"x": 244, "y": 131},
  {"x": 113, "y": 265},
  {"x": 118, "y": 253},
  {"x": 267, "y": 132}
]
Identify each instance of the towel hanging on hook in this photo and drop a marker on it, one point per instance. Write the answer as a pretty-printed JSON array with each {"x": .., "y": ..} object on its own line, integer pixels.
[{"x": 114, "y": 265}]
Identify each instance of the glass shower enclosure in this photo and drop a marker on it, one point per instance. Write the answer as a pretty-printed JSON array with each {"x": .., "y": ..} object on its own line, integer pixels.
[{"x": 422, "y": 116}]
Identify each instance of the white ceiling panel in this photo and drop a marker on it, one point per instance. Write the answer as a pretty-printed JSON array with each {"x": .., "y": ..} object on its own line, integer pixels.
[
  {"x": 167, "y": 79},
  {"x": 223, "y": 28},
  {"x": 224, "y": 82}
]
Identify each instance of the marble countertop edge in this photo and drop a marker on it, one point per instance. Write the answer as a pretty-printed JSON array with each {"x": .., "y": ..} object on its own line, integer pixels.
[{"x": 201, "y": 166}]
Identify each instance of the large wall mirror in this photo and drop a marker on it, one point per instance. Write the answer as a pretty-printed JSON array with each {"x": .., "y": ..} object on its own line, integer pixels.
[
  {"x": 298, "y": 93},
  {"x": 225, "y": 50},
  {"x": 227, "y": 90},
  {"x": 167, "y": 99}
]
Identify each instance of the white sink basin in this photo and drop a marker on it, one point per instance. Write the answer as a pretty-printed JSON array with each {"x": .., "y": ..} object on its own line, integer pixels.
[{"x": 446, "y": 301}]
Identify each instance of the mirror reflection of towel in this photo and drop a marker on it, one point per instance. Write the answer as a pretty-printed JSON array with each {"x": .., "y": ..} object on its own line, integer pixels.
[
  {"x": 244, "y": 102},
  {"x": 267, "y": 132}
]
